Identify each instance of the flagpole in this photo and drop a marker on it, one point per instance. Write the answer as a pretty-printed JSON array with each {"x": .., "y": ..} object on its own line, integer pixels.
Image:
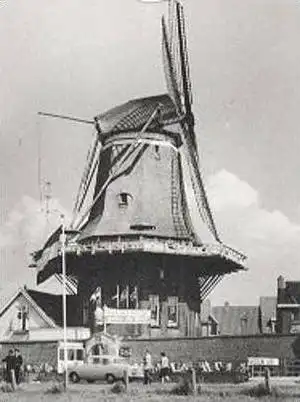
[
  {"x": 99, "y": 299},
  {"x": 64, "y": 299},
  {"x": 104, "y": 321},
  {"x": 136, "y": 297},
  {"x": 127, "y": 296},
  {"x": 118, "y": 296}
]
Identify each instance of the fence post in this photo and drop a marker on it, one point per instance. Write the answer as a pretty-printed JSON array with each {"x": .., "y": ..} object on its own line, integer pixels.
[
  {"x": 267, "y": 380},
  {"x": 126, "y": 379},
  {"x": 194, "y": 383},
  {"x": 13, "y": 379}
]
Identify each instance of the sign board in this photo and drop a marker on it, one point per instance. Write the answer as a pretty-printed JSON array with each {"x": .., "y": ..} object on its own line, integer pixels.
[
  {"x": 263, "y": 361},
  {"x": 124, "y": 316}
]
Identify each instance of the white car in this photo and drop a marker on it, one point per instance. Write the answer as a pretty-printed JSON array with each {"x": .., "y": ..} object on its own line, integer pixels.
[{"x": 104, "y": 368}]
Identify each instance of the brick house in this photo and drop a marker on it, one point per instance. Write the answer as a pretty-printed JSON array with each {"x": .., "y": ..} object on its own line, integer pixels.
[{"x": 288, "y": 306}]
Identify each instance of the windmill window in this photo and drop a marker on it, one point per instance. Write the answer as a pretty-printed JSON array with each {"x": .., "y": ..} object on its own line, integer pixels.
[
  {"x": 156, "y": 152},
  {"x": 172, "y": 312},
  {"x": 155, "y": 310},
  {"x": 124, "y": 199}
]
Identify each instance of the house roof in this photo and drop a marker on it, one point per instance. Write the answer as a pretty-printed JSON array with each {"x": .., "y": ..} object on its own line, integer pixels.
[
  {"x": 48, "y": 306},
  {"x": 51, "y": 304},
  {"x": 25, "y": 293},
  {"x": 231, "y": 318}
]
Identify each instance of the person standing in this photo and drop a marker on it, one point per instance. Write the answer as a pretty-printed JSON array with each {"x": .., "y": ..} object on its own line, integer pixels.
[
  {"x": 147, "y": 367},
  {"x": 164, "y": 368},
  {"x": 10, "y": 361},
  {"x": 19, "y": 363}
]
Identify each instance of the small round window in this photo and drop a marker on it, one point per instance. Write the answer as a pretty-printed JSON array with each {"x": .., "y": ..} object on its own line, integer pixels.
[{"x": 124, "y": 199}]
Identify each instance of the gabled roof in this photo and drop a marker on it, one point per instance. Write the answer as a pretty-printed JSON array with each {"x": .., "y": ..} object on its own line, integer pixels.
[
  {"x": 52, "y": 305},
  {"x": 48, "y": 306},
  {"x": 231, "y": 319},
  {"x": 31, "y": 301}
]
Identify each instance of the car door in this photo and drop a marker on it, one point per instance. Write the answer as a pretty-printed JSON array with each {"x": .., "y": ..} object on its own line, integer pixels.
[
  {"x": 103, "y": 368},
  {"x": 88, "y": 371}
]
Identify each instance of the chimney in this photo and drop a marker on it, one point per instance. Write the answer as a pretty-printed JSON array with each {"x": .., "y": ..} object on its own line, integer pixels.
[
  {"x": 280, "y": 282},
  {"x": 280, "y": 289}
]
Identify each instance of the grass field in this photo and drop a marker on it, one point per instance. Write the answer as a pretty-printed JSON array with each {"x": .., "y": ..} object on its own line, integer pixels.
[{"x": 154, "y": 393}]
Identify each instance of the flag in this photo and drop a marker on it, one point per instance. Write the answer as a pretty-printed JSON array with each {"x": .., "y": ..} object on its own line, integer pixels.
[
  {"x": 125, "y": 296},
  {"x": 96, "y": 295},
  {"x": 51, "y": 250},
  {"x": 117, "y": 296},
  {"x": 134, "y": 296}
]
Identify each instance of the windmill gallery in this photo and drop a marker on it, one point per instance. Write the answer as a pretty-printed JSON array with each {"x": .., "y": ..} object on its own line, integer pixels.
[{"x": 138, "y": 245}]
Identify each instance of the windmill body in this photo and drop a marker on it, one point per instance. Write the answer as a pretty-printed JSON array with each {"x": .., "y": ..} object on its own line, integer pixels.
[{"x": 138, "y": 236}]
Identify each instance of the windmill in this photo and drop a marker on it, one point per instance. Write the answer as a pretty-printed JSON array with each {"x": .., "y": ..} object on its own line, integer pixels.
[{"x": 132, "y": 223}]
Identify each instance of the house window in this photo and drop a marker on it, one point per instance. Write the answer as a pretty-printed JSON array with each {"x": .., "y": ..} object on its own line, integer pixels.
[
  {"x": 124, "y": 199},
  {"x": 155, "y": 310},
  {"x": 213, "y": 328},
  {"x": 23, "y": 318},
  {"x": 172, "y": 312}
]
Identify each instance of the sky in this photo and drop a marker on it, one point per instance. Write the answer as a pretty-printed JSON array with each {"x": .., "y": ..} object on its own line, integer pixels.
[{"x": 82, "y": 57}]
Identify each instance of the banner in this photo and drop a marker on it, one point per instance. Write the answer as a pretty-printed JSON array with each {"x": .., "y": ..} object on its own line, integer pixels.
[
  {"x": 122, "y": 316},
  {"x": 263, "y": 361}
]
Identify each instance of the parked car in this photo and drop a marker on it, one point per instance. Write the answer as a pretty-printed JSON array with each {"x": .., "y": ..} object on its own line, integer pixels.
[{"x": 101, "y": 368}]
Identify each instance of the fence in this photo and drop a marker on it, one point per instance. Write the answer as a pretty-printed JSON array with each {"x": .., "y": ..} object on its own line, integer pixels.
[{"x": 292, "y": 368}]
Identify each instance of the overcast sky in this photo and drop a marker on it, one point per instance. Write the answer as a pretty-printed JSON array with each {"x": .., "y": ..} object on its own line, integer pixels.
[{"x": 82, "y": 57}]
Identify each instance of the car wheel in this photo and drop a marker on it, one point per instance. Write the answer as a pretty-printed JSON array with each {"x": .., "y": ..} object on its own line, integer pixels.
[
  {"x": 74, "y": 377},
  {"x": 110, "y": 378}
]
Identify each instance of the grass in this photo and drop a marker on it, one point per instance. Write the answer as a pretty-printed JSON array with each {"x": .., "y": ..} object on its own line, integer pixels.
[
  {"x": 153, "y": 393},
  {"x": 55, "y": 388}
]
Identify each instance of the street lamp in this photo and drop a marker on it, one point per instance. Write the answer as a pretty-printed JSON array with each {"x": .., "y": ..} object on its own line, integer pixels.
[{"x": 64, "y": 297}]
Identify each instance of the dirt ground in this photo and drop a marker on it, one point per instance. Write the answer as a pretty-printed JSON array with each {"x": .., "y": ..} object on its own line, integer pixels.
[{"x": 282, "y": 391}]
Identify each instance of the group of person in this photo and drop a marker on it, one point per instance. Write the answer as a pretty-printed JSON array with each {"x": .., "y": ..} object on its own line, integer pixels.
[
  {"x": 164, "y": 368},
  {"x": 13, "y": 364}
]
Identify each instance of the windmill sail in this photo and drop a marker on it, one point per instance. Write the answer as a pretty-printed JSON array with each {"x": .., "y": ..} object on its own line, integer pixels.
[
  {"x": 177, "y": 74},
  {"x": 88, "y": 174}
]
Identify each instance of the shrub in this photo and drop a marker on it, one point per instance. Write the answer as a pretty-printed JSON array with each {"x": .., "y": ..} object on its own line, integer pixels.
[
  {"x": 184, "y": 387},
  {"x": 260, "y": 390},
  {"x": 256, "y": 391},
  {"x": 118, "y": 388},
  {"x": 55, "y": 388},
  {"x": 6, "y": 387}
]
